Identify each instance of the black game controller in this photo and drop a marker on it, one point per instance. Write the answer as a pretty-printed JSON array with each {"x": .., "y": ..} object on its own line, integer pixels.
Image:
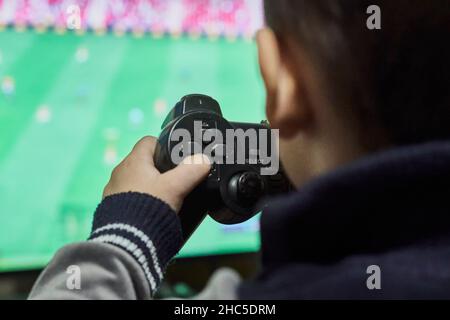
[{"x": 235, "y": 189}]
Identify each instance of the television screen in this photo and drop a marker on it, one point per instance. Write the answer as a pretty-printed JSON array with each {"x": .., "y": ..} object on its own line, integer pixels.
[{"x": 81, "y": 83}]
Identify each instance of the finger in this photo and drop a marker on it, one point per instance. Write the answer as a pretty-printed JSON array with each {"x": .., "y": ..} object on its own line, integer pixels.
[
  {"x": 188, "y": 174},
  {"x": 145, "y": 148}
]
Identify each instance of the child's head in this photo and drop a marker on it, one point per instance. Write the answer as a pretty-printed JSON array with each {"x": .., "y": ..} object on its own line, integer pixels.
[{"x": 337, "y": 90}]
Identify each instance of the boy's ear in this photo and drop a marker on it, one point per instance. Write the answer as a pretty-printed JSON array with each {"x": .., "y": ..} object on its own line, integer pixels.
[
  {"x": 269, "y": 58},
  {"x": 284, "y": 108}
]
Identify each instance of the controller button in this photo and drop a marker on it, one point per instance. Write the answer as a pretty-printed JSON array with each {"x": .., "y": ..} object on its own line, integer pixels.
[{"x": 219, "y": 152}]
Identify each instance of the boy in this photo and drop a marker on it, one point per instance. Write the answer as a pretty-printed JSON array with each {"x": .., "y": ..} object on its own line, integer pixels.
[{"x": 363, "y": 118}]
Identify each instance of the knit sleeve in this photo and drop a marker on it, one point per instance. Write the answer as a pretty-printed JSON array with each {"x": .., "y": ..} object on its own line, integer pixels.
[{"x": 142, "y": 225}]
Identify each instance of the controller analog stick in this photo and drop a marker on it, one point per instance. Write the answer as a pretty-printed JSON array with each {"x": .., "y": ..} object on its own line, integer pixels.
[{"x": 246, "y": 188}]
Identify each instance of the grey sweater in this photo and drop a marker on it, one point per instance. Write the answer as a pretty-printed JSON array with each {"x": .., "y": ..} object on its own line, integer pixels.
[{"x": 133, "y": 238}]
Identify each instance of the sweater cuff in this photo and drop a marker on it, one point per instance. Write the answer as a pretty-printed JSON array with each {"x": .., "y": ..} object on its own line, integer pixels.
[{"x": 144, "y": 226}]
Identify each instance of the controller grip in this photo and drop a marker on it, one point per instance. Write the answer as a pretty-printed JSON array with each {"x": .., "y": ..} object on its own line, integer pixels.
[{"x": 192, "y": 213}]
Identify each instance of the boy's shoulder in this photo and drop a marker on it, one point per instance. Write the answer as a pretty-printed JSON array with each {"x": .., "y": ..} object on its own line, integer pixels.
[{"x": 410, "y": 272}]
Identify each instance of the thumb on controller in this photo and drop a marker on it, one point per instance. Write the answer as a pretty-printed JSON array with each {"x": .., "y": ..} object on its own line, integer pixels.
[{"x": 188, "y": 174}]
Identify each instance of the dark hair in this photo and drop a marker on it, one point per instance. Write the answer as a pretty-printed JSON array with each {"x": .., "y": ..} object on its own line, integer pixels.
[{"x": 395, "y": 79}]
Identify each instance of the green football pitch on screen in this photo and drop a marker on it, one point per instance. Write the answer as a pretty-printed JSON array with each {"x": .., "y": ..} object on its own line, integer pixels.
[{"x": 71, "y": 107}]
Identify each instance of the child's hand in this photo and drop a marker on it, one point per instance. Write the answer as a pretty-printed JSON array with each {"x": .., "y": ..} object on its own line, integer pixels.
[{"x": 137, "y": 173}]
